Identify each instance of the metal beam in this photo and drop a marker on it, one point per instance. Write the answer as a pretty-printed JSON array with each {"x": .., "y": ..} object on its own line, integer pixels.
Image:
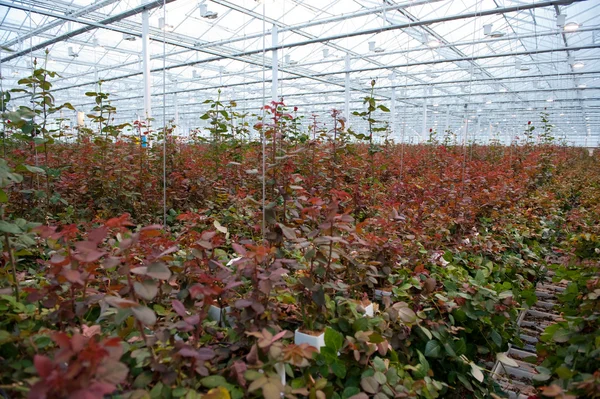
[
  {"x": 103, "y": 24},
  {"x": 58, "y": 22}
]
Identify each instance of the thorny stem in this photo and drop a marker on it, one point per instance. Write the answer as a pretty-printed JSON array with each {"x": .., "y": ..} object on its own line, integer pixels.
[
  {"x": 11, "y": 259},
  {"x": 13, "y": 266}
]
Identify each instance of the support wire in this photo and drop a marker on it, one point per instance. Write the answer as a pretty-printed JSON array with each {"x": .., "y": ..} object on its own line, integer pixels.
[{"x": 164, "y": 165}]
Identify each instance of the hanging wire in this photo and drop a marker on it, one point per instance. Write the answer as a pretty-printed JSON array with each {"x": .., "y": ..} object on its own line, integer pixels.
[
  {"x": 164, "y": 165},
  {"x": 404, "y": 112},
  {"x": 37, "y": 175},
  {"x": 2, "y": 107},
  {"x": 466, "y": 121},
  {"x": 262, "y": 131}
]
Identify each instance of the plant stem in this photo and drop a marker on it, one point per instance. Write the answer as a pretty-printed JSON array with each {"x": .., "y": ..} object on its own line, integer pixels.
[{"x": 13, "y": 265}]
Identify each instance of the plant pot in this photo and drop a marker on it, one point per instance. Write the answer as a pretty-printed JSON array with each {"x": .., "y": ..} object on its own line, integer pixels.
[
  {"x": 367, "y": 306},
  {"x": 317, "y": 341},
  {"x": 215, "y": 313}
]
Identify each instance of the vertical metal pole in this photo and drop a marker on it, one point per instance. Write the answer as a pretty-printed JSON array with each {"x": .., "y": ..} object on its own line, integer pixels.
[
  {"x": 176, "y": 107},
  {"x": 478, "y": 131},
  {"x": 146, "y": 64},
  {"x": 393, "y": 124},
  {"x": 347, "y": 90},
  {"x": 425, "y": 117},
  {"x": 447, "y": 119},
  {"x": 275, "y": 68},
  {"x": 466, "y": 126}
]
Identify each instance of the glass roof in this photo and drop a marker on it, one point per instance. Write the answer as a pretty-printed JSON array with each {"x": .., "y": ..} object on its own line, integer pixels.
[{"x": 484, "y": 67}]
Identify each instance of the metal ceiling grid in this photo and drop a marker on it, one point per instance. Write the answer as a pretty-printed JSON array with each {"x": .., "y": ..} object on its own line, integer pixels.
[{"x": 495, "y": 63}]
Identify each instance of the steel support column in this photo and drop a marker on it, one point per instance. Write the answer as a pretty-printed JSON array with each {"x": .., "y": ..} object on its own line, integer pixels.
[
  {"x": 146, "y": 64},
  {"x": 275, "y": 64}
]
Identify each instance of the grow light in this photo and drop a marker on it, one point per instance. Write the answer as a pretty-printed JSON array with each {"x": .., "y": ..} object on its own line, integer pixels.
[{"x": 571, "y": 27}]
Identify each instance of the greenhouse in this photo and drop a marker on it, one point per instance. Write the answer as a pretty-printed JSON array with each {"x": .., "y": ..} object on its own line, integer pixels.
[{"x": 228, "y": 199}]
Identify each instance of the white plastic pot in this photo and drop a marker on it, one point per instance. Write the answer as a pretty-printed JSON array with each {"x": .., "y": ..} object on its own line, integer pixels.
[
  {"x": 317, "y": 341},
  {"x": 369, "y": 310},
  {"x": 216, "y": 313}
]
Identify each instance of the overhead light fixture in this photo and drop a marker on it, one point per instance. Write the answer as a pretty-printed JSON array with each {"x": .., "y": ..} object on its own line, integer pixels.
[
  {"x": 72, "y": 53},
  {"x": 581, "y": 86},
  {"x": 497, "y": 34},
  {"x": 325, "y": 52},
  {"x": 164, "y": 26},
  {"x": 436, "y": 105},
  {"x": 128, "y": 37},
  {"x": 502, "y": 90},
  {"x": 205, "y": 13},
  {"x": 561, "y": 115},
  {"x": 487, "y": 29},
  {"x": 374, "y": 48},
  {"x": 289, "y": 61},
  {"x": 488, "y": 102},
  {"x": 433, "y": 43},
  {"x": 571, "y": 27},
  {"x": 578, "y": 65},
  {"x": 560, "y": 20},
  {"x": 195, "y": 74},
  {"x": 550, "y": 100},
  {"x": 95, "y": 43}
]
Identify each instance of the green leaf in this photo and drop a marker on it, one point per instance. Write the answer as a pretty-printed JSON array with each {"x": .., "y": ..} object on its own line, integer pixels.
[
  {"x": 433, "y": 349},
  {"x": 213, "y": 381},
  {"x": 561, "y": 335},
  {"x": 29, "y": 168},
  {"x": 369, "y": 385},
  {"x": 380, "y": 377},
  {"x": 379, "y": 364},
  {"x": 11, "y": 228},
  {"x": 496, "y": 338},
  {"x": 502, "y": 358},
  {"x": 460, "y": 346},
  {"x": 3, "y": 196},
  {"x": 426, "y": 332},
  {"x": 350, "y": 391},
  {"x": 333, "y": 339},
  {"x": 407, "y": 315},
  {"x": 339, "y": 368},
  {"x": 422, "y": 360}
]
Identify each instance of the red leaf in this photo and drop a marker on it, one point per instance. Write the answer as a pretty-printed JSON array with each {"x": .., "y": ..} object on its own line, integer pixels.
[
  {"x": 98, "y": 235},
  {"x": 43, "y": 365},
  {"x": 61, "y": 339},
  {"x": 78, "y": 342},
  {"x": 239, "y": 249},
  {"x": 179, "y": 308},
  {"x": 72, "y": 276}
]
